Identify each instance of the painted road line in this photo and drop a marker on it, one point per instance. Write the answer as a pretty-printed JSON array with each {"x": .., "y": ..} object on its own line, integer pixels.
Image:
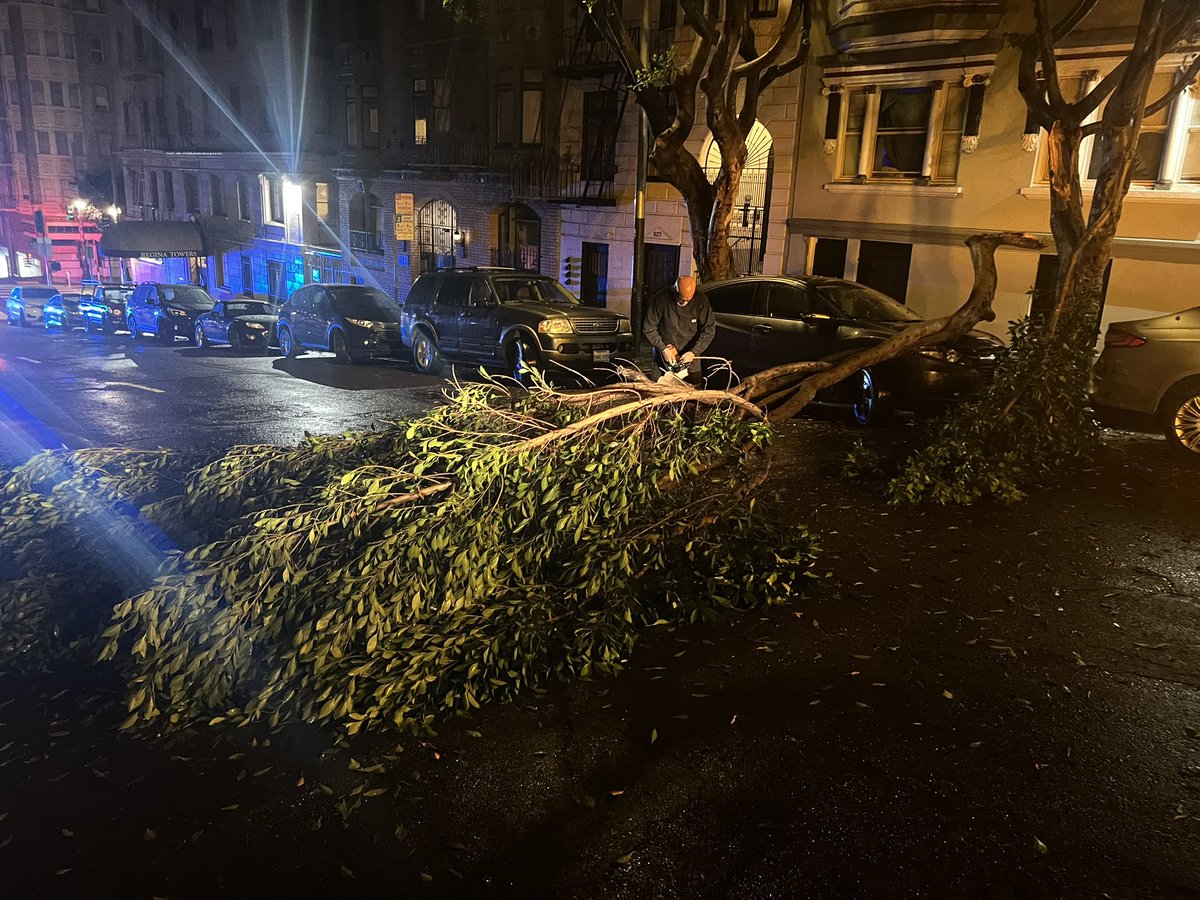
[
  {"x": 36, "y": 362},
  {"x": 140, "y": 387}
]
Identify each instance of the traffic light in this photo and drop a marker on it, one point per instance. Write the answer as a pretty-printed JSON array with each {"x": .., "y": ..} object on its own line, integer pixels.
[
  {"x": 39, "y": 222},
  {"x": 70, "y": 213}
]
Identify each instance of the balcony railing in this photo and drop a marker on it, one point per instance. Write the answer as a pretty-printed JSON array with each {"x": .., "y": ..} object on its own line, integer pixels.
[
  {"x": 584, "y": 52},
  {"x": 367, "y": 241},
  {"x": 559, "y": 178},
  {"x": 445, "y": 151}
]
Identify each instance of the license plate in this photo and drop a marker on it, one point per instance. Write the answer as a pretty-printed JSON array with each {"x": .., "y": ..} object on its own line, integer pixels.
[{"x": 600, "y": 355}]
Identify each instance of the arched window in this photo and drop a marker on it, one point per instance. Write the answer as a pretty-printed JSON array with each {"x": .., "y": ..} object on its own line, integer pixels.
[
  {"x": 366, "y": 222},
  {"x": 518, "y": 238},
  {"x": 752, "y": 206},
  {"x": 437, "y": 226}
]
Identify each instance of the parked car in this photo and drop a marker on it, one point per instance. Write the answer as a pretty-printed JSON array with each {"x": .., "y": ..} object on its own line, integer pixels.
[
  {"x": 26, "y": 303},
  {"x": 1150, "y": 371},
  {"x": 354, "y": 321},
  {"x": 764, "y": 321},
  {"x": 104, "y": 308},
  {"x": 166, "y": 311},
  {"x": 242, "y": 324},
  {"x": 507, "y": 318},
  {"x": 63, "y": 311}
]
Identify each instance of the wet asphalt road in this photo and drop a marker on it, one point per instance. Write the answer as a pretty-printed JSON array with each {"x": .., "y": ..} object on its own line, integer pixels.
[
  {"x": 73, "y": 389},
  {"x": 992, "y": 702}
]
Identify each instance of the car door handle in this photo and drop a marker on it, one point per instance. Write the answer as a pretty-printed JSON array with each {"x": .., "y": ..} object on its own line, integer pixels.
[{"x": 763, "y": 328}]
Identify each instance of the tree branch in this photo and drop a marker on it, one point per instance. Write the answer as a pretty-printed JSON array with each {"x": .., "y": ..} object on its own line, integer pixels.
[
  {"x": 1188, "y": 76},
  {"x": 1045, "y": 39},
  {"x": 795, "y": 16},
  {"x": 1073, "y": 18}
]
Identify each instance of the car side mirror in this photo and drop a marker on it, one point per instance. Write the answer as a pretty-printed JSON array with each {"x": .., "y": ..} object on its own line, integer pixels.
[{"x": 815, "y": 318}]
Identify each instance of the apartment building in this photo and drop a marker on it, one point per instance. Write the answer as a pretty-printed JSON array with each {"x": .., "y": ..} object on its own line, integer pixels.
[
  {"x": 914, "y": 137},
  {"x": 56, "y": 136},
  {"x": 225, "y": 121}
]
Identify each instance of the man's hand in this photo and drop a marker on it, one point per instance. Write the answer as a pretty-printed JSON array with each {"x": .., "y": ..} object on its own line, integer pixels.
[
  {"x": 687, "y": 358},
  {"x": 670, "y": 354}
]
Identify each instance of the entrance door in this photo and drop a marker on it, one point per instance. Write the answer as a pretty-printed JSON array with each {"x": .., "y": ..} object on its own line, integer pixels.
[
  {"x": 593, "y": 283},
  {"x": 883, "y": 265},
  {"x": 247, "y": 273},
  {"x": 662, "y": 267}
]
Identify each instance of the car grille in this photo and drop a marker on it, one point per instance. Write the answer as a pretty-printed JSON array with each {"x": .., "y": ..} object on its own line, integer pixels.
[{"x": 595, "y": 326}]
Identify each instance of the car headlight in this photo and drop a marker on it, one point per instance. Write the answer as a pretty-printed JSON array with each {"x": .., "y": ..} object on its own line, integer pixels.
[
  {"x": 255, "y": 326},
  {"x": 625, "y": 326},
  {"x": 116, "y": 310},
  {"x": 361, "y": 323},
  {"x": 949, "y": 354},
  {"x": 178, "y": 312},
  {"x": 556, "y": 325}
]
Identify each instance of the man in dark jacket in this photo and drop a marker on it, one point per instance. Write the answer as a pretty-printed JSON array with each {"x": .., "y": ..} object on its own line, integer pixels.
[{"x": 679, "y": 326}]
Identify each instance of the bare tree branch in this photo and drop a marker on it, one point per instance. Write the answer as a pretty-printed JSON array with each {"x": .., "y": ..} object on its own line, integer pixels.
[
  {"x": 1074, "y": 16},
  {"x": 795, "y": 16},
  {"x": 1045, "y": 40},
  {"x": 1181, "y": 83}
]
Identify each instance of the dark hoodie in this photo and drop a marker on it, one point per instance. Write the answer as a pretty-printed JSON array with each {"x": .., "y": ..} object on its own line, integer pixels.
[{"x": 689, "y": 328}]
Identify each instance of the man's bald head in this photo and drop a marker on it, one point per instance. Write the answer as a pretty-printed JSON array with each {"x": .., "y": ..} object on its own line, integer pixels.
[{"x": 685, "y": 286}]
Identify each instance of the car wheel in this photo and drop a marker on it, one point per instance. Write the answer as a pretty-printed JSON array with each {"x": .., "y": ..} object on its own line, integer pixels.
[
  {"x": 88, "y": 327},
  {"x": 1181, "y": 417},
  {"x": 235, "y": 339},
  {"x": 286, "y": 346},
  {"x": 131, "y": 324},
  {"x": 523, "y": 360},
  {"x": 870, "y": 403},
  {"x": 426, "y": 357},
  {"x": 339, "y": 347},
  {"x": 201, "y": 338},
  {"x": 12, "y": 320},
  {"x": 25, "y": 323}
]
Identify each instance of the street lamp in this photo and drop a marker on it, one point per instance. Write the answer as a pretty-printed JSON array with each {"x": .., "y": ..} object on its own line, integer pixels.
[
  {"x": 113, "y": 212},
  {"x": 84, "y": 260}
]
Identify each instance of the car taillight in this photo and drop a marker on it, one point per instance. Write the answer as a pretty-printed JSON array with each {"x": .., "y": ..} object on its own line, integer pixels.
[{"x": 1115, "y": 338}]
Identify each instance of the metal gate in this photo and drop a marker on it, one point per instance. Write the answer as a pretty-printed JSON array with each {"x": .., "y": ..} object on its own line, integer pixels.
[{"x": 436, "y": 224}]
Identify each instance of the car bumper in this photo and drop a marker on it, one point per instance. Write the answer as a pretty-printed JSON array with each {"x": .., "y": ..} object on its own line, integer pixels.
[
  {"x": 932, "y": 386},
  {"x": 1119, "y": 385},
  {"x": 576, "y": 354},
  {"x": 387, "y": 344}
]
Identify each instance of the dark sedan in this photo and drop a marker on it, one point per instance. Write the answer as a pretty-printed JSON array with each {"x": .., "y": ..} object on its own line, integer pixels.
[
  {"x": 63, "y": 312},
  {"x": 766, "y": 321},
  {"x": 104, "y": 310},
  {"x": 242, "y": 324}
]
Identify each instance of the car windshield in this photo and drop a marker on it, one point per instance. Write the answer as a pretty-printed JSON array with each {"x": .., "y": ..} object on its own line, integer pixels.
[
  {"x": 365, "y": 303},
  {"x": 115, "y": 295},
  {"x": 547, "y": 290},
  {"x": 857, "y": 301},
  {"x": 249, "y": 308},
  {"x": 184, "y": 295},
  {"x": 72, "y": 299}
]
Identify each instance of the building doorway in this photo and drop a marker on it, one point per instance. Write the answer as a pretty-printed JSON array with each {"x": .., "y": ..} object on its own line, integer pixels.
[
  {"x": 748, "y": 230},
  {"x": 829, "y": 257},
  {"x": 437, "y": 224},
  {"x": 662, "y": 267},
  {"x": 593, "y": 279},
  {"x": 518, "y": 238},
  {"x": 884, "y": 266}
]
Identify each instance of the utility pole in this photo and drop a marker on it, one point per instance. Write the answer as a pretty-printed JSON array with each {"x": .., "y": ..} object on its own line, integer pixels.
[{"x": 639, "y": 221}]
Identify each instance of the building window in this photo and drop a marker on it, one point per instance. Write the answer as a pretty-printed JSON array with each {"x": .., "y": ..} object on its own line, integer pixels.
[
  {"x": 62, "y": 143},
  {"x": 420, "y": 111},
  {"x": 351, "y": 118},
  {"x": 52, "y": 43},
  {"x": 1168, "y": 146},
  {"x": 184, "y": 113},
  {"x": 600, "y": 126},
  {"x": 204, "y": 29},
  {"x": 235, "y": 99},
  {"x": 441, "y": 106},
  {"x": 169, "y": 190},
  {"x": 370, "y": 100},
  {"x": 33, "y": 42},
  {"x": 366, "y": 222},
  {"x": 37, "y": 92},
  {"x": 323, "y": 201},
  {"x": 217, "y": 195},
  {"x": 73, "y": 96},
  {"x": 667, "y": 13},
  {"x": 207, "y": 112},
  {"x": 763, "y": 9},
  {"x": 127, "y": 119},
  {"x": 531, "y": 106},
  {"x": 231, "y": 34},
  {"x": 154, "y": 189},
  {"x": 272, "y": 199},
  {"x": 56, "y": 93},
  {"x": 506, "y": 113},
  {"x": 68, "y": 46},
  {"x": 243, "y": 200},
  {"x": 191, "y": 192},
  {"x": 96, "y": 50},
  {"x": 902, "y": 132}
]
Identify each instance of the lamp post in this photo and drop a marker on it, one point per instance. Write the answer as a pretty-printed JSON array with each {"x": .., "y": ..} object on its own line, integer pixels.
[
  {"x": 81, "y": 206},
  {"x": 114, "y": 213}
]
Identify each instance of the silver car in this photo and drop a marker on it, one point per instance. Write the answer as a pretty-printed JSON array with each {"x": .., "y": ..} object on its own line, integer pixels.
[
  {"x": 1151, "y": 367},
  {"x": 26, "y": 304}
]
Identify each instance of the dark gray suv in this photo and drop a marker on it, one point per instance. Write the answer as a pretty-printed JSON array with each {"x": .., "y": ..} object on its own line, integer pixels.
[{"x": 505, "y": 318}]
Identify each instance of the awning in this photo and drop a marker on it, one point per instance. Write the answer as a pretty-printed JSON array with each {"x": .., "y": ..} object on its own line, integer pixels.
[{"x": 153, "y": 240}]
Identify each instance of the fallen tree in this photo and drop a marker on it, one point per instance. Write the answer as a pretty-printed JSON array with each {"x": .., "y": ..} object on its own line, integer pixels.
[{"x": 374, "y": 579}]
